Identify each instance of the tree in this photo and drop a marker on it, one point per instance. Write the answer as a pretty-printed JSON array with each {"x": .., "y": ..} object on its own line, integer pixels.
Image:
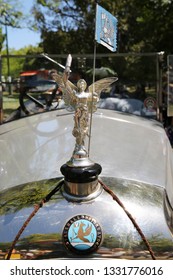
[
  {"x": 68, "y": 25},
  {"x": 19, "y": 62},
  {"x": 10, "y": 15},
  {"x": 143, "y": 26}
]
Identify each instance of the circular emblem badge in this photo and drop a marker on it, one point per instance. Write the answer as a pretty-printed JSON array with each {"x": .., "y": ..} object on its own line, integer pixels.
[
  {"x": 82, "y": 234},
  {"x": 150, "y": 103}
]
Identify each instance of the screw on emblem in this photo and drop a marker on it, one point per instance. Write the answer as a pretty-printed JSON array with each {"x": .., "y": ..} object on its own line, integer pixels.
[{"x": 82, "y": 234}]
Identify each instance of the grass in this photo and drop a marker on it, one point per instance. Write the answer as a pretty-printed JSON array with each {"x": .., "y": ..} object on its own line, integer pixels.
[{"x": 10, "y": 103}]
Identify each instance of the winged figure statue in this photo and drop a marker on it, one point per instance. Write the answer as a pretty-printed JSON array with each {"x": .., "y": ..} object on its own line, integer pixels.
[{"x": 83, "y": 100}]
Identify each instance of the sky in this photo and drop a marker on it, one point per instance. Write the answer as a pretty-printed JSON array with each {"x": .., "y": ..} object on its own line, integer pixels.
[{"x": 20, "y": 38}]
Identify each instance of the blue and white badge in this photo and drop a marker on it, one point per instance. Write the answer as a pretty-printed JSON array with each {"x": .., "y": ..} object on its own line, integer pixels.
[{"x": 82, "y": 234}]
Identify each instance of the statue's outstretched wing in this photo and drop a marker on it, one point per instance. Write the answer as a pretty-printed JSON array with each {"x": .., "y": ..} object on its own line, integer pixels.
[
  {"x": 101, "y": 84},
  {"x": 68, "y": 90}
]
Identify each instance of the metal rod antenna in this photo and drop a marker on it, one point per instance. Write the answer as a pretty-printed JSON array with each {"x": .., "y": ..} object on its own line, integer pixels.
[
  {"x": 93, "y": 90},
  {"x": 93, "y": 87}
]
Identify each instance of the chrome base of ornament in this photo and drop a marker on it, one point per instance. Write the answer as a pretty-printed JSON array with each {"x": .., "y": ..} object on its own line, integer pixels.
[
  {"x": 81, "y": 192},
  {"x": 80, "y": 157},
  {"x": 80, "y": 162},
  {"x": 81, "y": 183}
]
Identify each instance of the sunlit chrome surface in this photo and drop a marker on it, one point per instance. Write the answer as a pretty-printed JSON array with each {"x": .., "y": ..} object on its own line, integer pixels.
[
  {"x": 168, "y": 212},
  {"x": 81, "y": 191},
  {"x": 126, "y": 146},
  {"x": 42, "y": 237}
]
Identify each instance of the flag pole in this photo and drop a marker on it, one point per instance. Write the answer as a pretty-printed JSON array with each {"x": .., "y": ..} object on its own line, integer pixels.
[
  {"x": 93, "y": 88},
  {"x": 105, "y": 34}
]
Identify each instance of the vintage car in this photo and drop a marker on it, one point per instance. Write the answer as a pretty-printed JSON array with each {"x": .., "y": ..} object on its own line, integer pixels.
[{"x": 59, "y": 200}]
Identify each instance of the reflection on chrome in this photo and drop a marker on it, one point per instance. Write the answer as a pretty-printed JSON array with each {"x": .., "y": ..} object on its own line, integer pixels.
[{"x": 120, "y": 239}]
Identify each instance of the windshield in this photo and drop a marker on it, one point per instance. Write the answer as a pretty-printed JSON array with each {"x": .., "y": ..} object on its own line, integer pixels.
[{"x": 35, "y": 91}]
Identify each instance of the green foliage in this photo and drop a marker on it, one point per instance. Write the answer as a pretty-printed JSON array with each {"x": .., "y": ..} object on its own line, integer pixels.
[
  {"x": 69, "y": 26},
  {"x": 10, "y": 15},
  {"x": 19, "y": 62},
  {"x": 30, "y": 194},
  {"x": 2, "y": 37},
  {"x": 111, "y": 241},
  {"x": 15, "y": 64},
  {"x": 33, "y": 238},
  {"x": 143, "y": 26},
  {"x": 159, "y": 244}
]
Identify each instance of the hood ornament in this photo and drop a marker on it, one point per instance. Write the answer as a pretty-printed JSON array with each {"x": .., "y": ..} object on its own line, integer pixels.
[
  {"x": 80, "y": 172},
  {"x": 83, "y": 100}
]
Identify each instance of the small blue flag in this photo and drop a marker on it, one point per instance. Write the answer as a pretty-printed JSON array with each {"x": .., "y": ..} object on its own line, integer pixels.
[{"x": 106, "y": 29}]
